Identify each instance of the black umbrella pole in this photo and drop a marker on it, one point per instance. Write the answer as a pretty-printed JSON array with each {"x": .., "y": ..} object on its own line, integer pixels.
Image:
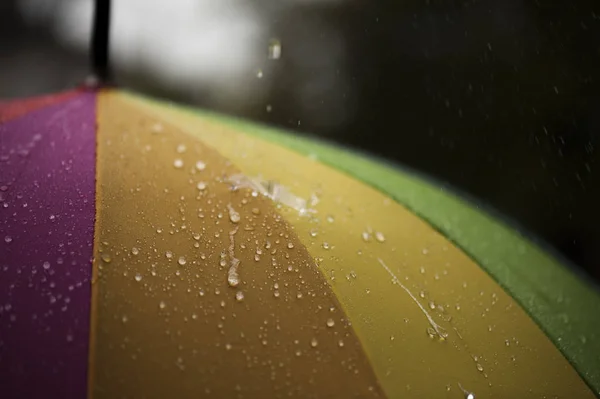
[{"x": 100, "y": 41}]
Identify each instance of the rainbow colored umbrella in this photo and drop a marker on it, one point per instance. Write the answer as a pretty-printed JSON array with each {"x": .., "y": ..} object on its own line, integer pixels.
[{"x": 148, "y": 250}]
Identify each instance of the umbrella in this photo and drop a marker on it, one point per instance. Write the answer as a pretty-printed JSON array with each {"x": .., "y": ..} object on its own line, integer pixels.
[{"x": 151, "y": 250}]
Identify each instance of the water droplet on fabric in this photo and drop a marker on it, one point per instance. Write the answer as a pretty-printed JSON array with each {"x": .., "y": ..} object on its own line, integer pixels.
[
  {"x": 46, "y": 265},
  {"x": 239, "y": 296},
  {"x": 201, "y": 186},
  {"x": 135, "y": 251},
  {"x": 314, "y": 342},
  {"x": 169, "y": 254},
  {"x": 181, "y": 148},
  {"x": 325, "y": 245},
  {"x": 138, "y": 277},
  {"x": 379, "y": 236},
  {"x": 162, "y": 305},
  {"x": 8, "y": 239},
  {"x": 178, "y": 163},
  {"x": 479, "y": 367},
  {"x": 234, "y": 216},
  {"x": 290, "y": 245},
  {"x": 105, "y": 258},
  {"x": 200, "y": 166},
  {"x": 330, "y": 323},
  {"x": 182, "y": 260}
]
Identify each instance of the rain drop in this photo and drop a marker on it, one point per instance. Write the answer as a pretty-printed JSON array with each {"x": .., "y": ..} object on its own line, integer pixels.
[
  {"x": 234, "y": 216},
  {"x": 326, "y": 245},
  {"x": 200, "y": 165},
  {"x": 138, "y": 277},
  {"x": 274, "y": 49},
  {"x": 314, "y": 342},
  {"x": 181, "y": 148},
  {"x": 276, "y": 294},
  {"x": 201, "y": 186},
  {"x": 290, "y": 245},
  {"x": 106, "y": 258},
  {"x": 479, "y": 367},
  {"x": 181, "y": 261},
  {"x": 340, "y": 343},
  {"x": 135, "y": 251},
  {"x": 46, "y": 265},
  {"x": 379, "y": 236},
  {"x": 178, "y": 163},
  {"x": 239, "y": 296},
  {"x": 330, "y": 323},
  {"x": 169, "y": 254},
  {"x": 162, "y": 305}
]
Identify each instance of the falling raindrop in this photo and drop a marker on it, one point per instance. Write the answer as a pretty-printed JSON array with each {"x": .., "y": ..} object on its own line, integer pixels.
[
  {"x": 178, "y": 163},
  {"x": 274, "y": 49}
]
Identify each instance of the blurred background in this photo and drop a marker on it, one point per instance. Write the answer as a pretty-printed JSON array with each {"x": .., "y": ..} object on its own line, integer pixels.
[{"x": 498, "y": 100}]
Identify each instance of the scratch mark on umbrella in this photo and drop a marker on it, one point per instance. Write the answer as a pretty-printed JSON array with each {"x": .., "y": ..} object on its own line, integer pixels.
[{"x": 441, "y": 332}]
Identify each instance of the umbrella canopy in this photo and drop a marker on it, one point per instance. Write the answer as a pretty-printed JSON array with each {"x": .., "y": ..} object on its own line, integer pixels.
[{"x": 147, "y": 250}]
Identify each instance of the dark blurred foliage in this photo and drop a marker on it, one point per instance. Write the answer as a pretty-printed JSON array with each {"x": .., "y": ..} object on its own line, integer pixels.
[{"x": 499, "y": 99}]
